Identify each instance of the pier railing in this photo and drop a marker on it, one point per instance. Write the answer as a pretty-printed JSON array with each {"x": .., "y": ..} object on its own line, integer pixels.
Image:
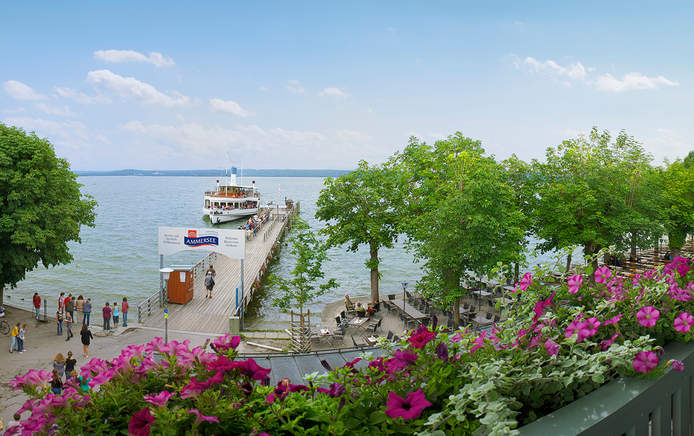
[{"x": 145, "y": 308}]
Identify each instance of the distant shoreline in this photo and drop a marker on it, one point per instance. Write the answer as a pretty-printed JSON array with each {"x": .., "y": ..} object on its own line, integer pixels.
[{"x": 217, "y": 173}]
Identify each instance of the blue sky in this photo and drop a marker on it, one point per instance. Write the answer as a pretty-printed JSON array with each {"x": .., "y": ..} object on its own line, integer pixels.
[{"x": 162, "y": 85}]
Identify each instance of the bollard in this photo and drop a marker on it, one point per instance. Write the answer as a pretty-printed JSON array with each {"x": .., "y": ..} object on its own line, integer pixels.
[{"x": 234, "y": 325}]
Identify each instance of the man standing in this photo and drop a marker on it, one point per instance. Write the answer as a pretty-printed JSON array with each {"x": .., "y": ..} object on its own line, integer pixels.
[
  {"x": 106, "y": 312},
  {"x": 124, "y": 308},
  {"x": 37, "y": 303},
  {"x": 87, "y": 311},
  {"x": 61, "y": 302},
  {"x": 70, "y": 306}
]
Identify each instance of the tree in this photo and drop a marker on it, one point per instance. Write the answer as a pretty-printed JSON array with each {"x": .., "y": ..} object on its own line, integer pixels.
[
  {"x": 360, "y": 209},
  {"x": 596, "y": 192},
  {"x": 41, "y": 206},
  {"x": 304, "y": 286},
  {"x": 678, "y": 189},
  {"x": 461, "y": 215}
]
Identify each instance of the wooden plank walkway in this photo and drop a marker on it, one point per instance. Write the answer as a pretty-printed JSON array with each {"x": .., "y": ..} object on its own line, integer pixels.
[{"x": 211, "y": 315}]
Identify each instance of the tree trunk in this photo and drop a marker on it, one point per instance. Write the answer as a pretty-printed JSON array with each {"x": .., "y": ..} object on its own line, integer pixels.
[
  {"x": 456, "y": 312},
  {"x": 568, "y": 262},
  {"x": 374, "y": 273},
  {"x": 516, "y": 272},
  {"x": 632, "y": 255},
  {"x": 451, "y": 283},
  {"x": 2, "y": 295}
]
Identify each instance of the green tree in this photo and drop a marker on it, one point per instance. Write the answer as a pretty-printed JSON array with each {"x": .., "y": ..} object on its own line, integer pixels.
[
  {"x": 41, "y": 206},
  {"x": 359, "y": 208},
  {"x": 305, "y": 285},
  {"x": 678, "y": 189},
  {"x": 596, "y": 191},
  {"x": 461, "y": 215}
]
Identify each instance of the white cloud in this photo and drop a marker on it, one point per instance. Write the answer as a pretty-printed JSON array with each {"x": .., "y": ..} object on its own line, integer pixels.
[
  {"x": 20, "y": 91},
  {"x": 55, "y": 110},
  {"x": 116, "y": 56},
  {"x": 334, "y": 92},
  {"x": 130, "y": 87},
  {"x": 294, "y": 86},
  {"x": 70, "y": 134},
  {"x": 353, "y": 136},
  {"x": 631, "y": 82},
  {"x": 228, "y": 106},
  {"x": 578, "y": 73},
  {"x": 81, "y": 97}
]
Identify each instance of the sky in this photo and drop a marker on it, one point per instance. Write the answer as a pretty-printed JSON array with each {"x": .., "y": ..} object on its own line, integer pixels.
[{"x": 173, "y": 85}]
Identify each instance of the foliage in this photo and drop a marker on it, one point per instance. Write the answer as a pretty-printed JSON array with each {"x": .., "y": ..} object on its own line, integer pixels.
[
  {"x": 461, "y": 214},
  {"x": 305, "y": 286},
  {"x": 596, "y": 191},
  {"x": 562, "y": 342},
  {"x": 678, "y": 189},
  {"x": 359, "y": 208},
  {"x": 41, "y": 207}
]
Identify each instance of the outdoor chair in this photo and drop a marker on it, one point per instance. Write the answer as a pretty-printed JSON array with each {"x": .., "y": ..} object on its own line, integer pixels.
[
  {"x": 390, "y": 335},
  {"x": 497, "y": 318},
  {"x": 374, "y": 326},
  {"x": 354, "y": 341},
  {"x": 391, "y": 297}
]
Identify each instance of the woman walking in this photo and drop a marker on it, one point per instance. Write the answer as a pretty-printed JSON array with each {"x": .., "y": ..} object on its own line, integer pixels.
[
  {"x": 59, "y": 364},
  {"x": 69, "y": 365},
  {"x": 56, "y": 383},
  {"x": 59, "y": 322},
  {"x": 86, "y": 339},
  {"x": 68, "y": 321},
  {"x": 116, "y": 315}
]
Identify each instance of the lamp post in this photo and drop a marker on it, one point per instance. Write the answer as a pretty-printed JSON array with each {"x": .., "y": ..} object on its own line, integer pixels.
[
  {"x": 165, "y": 275},
  {"x": 404, "y": 290}
]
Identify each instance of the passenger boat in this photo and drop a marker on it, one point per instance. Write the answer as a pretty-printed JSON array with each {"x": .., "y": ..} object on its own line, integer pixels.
[{"x": 231, "y": 201}]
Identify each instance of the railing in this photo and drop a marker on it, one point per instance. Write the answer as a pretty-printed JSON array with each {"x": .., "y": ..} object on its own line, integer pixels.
[
  {"x": 153, "y": 302},
  {"x": 630, "y": 406}
]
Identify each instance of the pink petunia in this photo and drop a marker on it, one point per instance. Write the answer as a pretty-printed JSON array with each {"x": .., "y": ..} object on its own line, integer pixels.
[
  {"x": 613, "y": 320},
  {"x": 201, "y": 417},
  {"x": 524, "y": 283},
  {"x": 602, "y": 275},
  {"x": 406, "y": 408},
  {"x": 551, "y": 347},
  {"x": 677, "y": 365},
  {"x": 648, "y": 316},
  {"x": 141, "y": 422},
  {"x": 605, "y": 345},
  {"x": 160, "y": 399},
  {"x": 421, "y": 337},
  {"x": 575, "y": 282},
  {"x": 683, "y": 323},
  {"x": 645, "y": 361}
]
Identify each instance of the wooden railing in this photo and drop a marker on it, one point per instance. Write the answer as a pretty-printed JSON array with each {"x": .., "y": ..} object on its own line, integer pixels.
[{"x": 630, "y": 406}]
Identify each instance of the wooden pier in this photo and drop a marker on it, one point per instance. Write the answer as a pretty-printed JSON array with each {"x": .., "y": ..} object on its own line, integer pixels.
[{"x": 211, "y": 315}]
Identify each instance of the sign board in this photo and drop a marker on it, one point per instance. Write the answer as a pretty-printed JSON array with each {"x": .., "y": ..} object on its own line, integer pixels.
[{"x": 231, "y": 243}]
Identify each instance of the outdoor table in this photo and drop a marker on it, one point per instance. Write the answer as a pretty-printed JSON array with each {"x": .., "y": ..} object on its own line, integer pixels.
[{"x": 358, "y": 321}]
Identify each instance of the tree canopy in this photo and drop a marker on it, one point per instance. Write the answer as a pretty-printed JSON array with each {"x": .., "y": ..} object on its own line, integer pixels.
[
  {"x": 678, "y": 201},
  {"x": 360, "y": 209},
  {"x": 42, "y": 208}
]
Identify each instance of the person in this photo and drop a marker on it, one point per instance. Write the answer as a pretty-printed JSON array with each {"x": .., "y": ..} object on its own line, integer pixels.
[
  {"x": 361, "y": 312},
  {"x": 59, "y": 321},
  {"x": 70, "y": 306},
  {"x": 87, "y": 311},
  {"x": 68, "y": 324},
  {"x": 56, "y": 383},
  {"x": 124, "y": 306},
  {"x": 37, "y": 304},
  {"x": 211, "y": 270},
  {"x": 61, "y": 301},
  {"x": 116, "y": 315},
  {"x": 59, "y": 364},
  {"x": 79, "y": 306},
  {"x": 20, "y": 338},
  {"x": 348, "y": 304},
  {"x": 106, "y": 312},
  {"x": 73, "y": 375},
  {"x": 69, "y": 365},
  {"x": 370, "y": 310},
  {"x": 15, "y": 422},
  {"x": 86, "y": 339},
  {"x": 209, "y": 284},
  {"x": 84, "y": 383},
  {"x": 13, "y": 339}
]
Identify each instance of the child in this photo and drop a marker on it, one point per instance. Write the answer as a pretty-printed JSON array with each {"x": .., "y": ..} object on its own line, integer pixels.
[
  {"x": 56, "y": 383},
  {"x": 69, "y": 365},
  {"x": 20, "y": 338},
  {"x": 116, "y": 315}
]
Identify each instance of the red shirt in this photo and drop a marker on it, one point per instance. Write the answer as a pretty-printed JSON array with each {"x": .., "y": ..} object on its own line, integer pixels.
[
  {"x": 66, "y": 301},
  {"x": 106, "y": 312},
  {"x": 124, "y": 307},
  {"x": 37, "y": 302}
]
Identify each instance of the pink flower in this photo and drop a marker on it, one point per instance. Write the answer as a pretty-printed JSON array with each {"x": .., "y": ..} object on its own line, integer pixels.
[
  {"x": 602, "y": 275},
  {"x": 160, "y": 399},
  {"x": 400, "y": 360},
  {"x": 336, "y": 389},
  {"x": 201, "y": 417},
  {"x": 226, "y": 342},
  {"x": 524, "y": 283},
  {"x": 605, "y": 345},
  {"x": 442, "y": 351},
  {"x": 613, "y": 320},
  {"x": 683, "y": 323},
  {"x": 551, "y": 347},
  {"x": 406, "y": 408},
  {"x": 251, "y": 369},
  {"x": 141, "y": 422},
  {"x": 677, "y": 365},
  {"x": 193, "y": 388},
  {"x": 645, "y": 361},
  {"x": 588, "y": 328},
  {"x": 648, "y": 316},
  {"x": 421, "y": 337},
  {"x": 479, "y": 342},
  {"x": 575, "y": 282},
  {"x": 32, "y": 378},
  {"x": 540, "y": 307},
  {"x": 679, "y": 294}
]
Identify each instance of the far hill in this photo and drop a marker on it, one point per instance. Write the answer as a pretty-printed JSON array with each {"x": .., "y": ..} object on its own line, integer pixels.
[{"x": 217, "y": 173}]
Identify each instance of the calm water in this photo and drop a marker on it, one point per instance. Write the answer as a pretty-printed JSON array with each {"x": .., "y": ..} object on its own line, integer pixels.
[{"x": 118, "y": 257}]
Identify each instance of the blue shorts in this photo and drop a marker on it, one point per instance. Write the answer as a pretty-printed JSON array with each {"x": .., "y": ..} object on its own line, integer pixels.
[{"x": 115, "y": 319}]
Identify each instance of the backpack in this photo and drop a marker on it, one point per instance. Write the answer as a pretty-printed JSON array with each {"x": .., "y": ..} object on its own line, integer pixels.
[{"x": 209, "y": 281}]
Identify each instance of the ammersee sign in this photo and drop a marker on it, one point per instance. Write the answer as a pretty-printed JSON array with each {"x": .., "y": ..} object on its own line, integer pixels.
[{"x": 231, "y": 243}]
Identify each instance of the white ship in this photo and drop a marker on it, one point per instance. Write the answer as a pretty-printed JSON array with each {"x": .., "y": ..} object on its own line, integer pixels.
[{"x": 231, "y": 201}]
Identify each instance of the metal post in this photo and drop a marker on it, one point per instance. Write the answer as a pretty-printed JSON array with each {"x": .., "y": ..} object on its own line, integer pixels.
[
  {"x": 242, "y": 300},
  {"x": 237, "y": 300},
  {"x": 161, "y": 279}
]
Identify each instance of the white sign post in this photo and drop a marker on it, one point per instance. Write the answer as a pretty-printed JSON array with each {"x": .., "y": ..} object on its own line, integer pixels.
[{"x": 231, "y": 243}]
